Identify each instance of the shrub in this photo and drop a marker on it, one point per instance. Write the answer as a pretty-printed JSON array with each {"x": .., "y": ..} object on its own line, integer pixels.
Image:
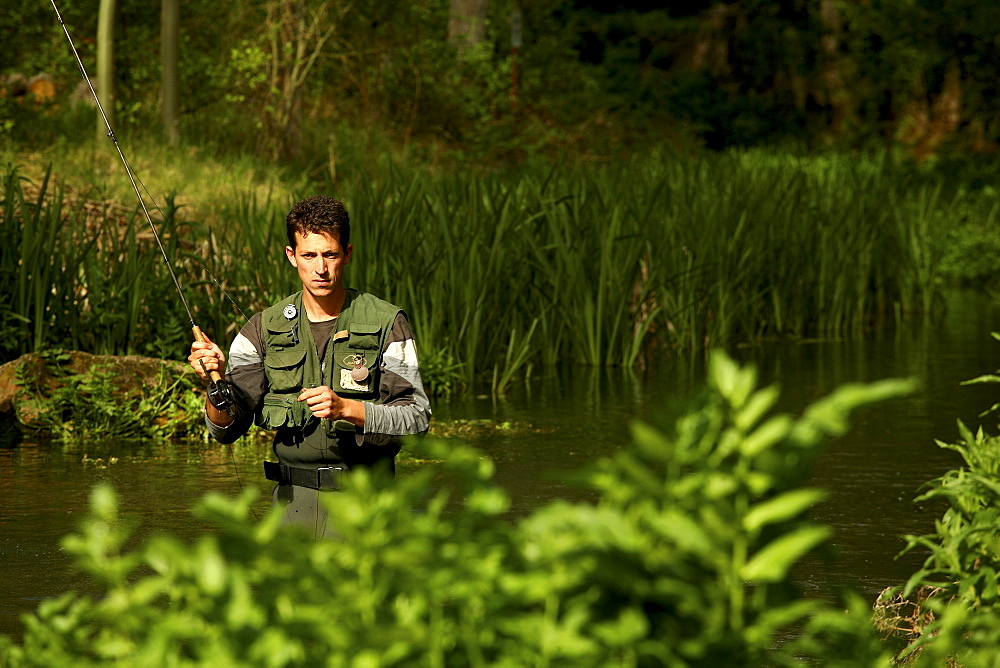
[{"x": 683, "y": 559}]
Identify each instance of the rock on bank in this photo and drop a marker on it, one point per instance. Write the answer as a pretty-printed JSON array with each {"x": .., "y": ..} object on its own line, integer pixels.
[{"x": 46, "y": 373}]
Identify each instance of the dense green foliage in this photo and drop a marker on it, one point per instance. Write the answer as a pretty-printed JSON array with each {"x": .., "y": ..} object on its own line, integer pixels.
[
  {"x": 920, "y": 74},
  {"x": 958, "y": 588},
  {"x": 683, "y": 559},
  {"x": 663, "y": 247}
]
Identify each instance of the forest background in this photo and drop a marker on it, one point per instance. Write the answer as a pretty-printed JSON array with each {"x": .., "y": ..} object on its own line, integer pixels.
[
  {"x": 595, "y": 77},
  {"x": 616, "y": 148}
]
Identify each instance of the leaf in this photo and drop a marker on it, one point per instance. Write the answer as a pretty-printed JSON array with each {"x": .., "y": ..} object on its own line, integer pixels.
[
  {"x": 992, "y": 409},
  {"x": 781, "y": 508},
  {"x": 684, "y": 531},
  {"x": 987, "y": 378},
  {"x": 628, "y": 628},
  {"x": 759, "y": 403},
  {"x": 734, "y": 383},
  {"x": 761, "y": 634},
  {"x": 649, "y": 441},
  {"x": 104, "y": 503},
  {"x": 771, "y": 563},
  {"x": 965, "y": 433},
  {"x": 771, "y": 432},
  {"x": 211, "y": 569},
  {"x": 489, "y": 501},
  {"x": 829, "y": 414}
]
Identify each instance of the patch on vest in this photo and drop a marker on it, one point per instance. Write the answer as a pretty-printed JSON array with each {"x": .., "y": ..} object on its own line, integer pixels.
[{"x": 348, "y": 383}]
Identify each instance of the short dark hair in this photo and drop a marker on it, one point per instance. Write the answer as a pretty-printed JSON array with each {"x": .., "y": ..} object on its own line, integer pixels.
[{"x": 318, "y": 214}]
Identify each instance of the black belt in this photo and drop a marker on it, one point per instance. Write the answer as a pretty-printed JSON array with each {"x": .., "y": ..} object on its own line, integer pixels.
[{"x": 324, "y": 477}]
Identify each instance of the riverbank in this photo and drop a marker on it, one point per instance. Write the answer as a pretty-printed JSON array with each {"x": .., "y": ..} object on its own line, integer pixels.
[{"x": 71, "y": 395}]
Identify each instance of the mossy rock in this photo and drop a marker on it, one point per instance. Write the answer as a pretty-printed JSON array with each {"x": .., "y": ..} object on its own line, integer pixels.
[{"x": 133, "y": 372}]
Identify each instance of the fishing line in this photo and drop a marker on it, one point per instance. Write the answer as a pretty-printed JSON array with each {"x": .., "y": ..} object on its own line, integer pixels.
[
  {"x": 136, "y": 182},
  {"x": 128, "y": 167},
  {"x": 222, "y": 289},
  {"x": 220, "y": 392}
]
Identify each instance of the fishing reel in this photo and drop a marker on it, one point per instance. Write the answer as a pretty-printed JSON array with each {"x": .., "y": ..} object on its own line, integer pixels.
[{"x": 220, "y": 392}]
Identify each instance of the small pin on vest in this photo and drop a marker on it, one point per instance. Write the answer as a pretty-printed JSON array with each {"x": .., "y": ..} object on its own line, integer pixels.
[
  {"x": 359, "y": 373},
  {"x": 289, "y": 312}
]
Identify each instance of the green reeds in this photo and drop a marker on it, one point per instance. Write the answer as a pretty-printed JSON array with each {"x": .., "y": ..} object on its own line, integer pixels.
[
  {"x": 45, "y": 244},
  {"x": 83, "y": 275},
  {"x": 504, "y": 271}
]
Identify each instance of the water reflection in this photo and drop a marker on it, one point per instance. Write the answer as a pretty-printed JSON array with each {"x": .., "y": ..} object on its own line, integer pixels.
[{"x": 572, "y": 416}]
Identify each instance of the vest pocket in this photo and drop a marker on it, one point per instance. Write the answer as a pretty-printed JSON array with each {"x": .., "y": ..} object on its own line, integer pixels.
[
  {"x": 346, "y": 361},
  {"x": 282, "y": 333},
  {"x": 364, "y": 335},
  {"x": 285, "y": 369},
  {"x": 359, "y": 351},
  {"x": 282, "y": 410}
]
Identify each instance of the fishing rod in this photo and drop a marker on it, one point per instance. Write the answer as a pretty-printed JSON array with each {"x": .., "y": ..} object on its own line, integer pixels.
[{"x": 220, "y": 392}]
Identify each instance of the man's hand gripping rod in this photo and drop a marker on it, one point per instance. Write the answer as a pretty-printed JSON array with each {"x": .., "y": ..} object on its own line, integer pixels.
[{"x": 220, "y": 392}]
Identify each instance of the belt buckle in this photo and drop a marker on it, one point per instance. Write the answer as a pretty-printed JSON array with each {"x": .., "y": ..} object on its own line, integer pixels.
[{"x": 330, "y": 475}]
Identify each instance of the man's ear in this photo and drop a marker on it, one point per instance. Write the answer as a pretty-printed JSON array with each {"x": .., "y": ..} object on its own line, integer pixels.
[
  {"x": 348, "y": 253},
  {"x": 290, "y": 254}
]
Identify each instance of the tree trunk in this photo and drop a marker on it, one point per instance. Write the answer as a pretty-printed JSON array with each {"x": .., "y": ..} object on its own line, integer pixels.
[
  {"x": 467, "y": 23},
  {"x": 291, "y": 88},
  {"x": 106, "y": 64},
  {"x": 297, "y": 31},
  {"x": 834, "y": 70},
  {"x": 170, "y": 79}
]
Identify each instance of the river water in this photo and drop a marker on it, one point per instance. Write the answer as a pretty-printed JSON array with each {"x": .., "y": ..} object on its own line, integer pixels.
[{"x": 561, "y": 421}]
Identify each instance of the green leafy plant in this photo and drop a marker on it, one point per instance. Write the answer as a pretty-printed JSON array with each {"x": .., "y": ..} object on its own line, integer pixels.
[
  {"x": 440, "y": 372},
  {"x": 683, "y": 559},
  {"x": 954, "y": 599}
]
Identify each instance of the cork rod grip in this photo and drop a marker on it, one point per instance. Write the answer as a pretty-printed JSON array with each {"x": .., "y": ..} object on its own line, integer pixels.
[{"x": 201, "y": 338}]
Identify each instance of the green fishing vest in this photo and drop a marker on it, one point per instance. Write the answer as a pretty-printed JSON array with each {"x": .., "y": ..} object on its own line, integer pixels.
[{"x": 291, "y": 362}]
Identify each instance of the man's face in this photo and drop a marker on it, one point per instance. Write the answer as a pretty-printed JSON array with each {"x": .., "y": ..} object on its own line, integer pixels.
[{"x": 320, "y": 262}]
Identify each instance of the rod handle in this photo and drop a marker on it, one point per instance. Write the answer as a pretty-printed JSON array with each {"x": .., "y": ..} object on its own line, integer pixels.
[{"x": 199, "y": 336}]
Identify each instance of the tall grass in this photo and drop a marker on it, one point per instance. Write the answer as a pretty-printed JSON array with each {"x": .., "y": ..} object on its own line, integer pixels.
[
  {"x": 47, "y": 244},
  {"x": 500, "y": 271}
]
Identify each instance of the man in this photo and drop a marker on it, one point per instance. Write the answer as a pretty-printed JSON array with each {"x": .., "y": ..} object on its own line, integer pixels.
[{"x": 332, "y": 370}]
